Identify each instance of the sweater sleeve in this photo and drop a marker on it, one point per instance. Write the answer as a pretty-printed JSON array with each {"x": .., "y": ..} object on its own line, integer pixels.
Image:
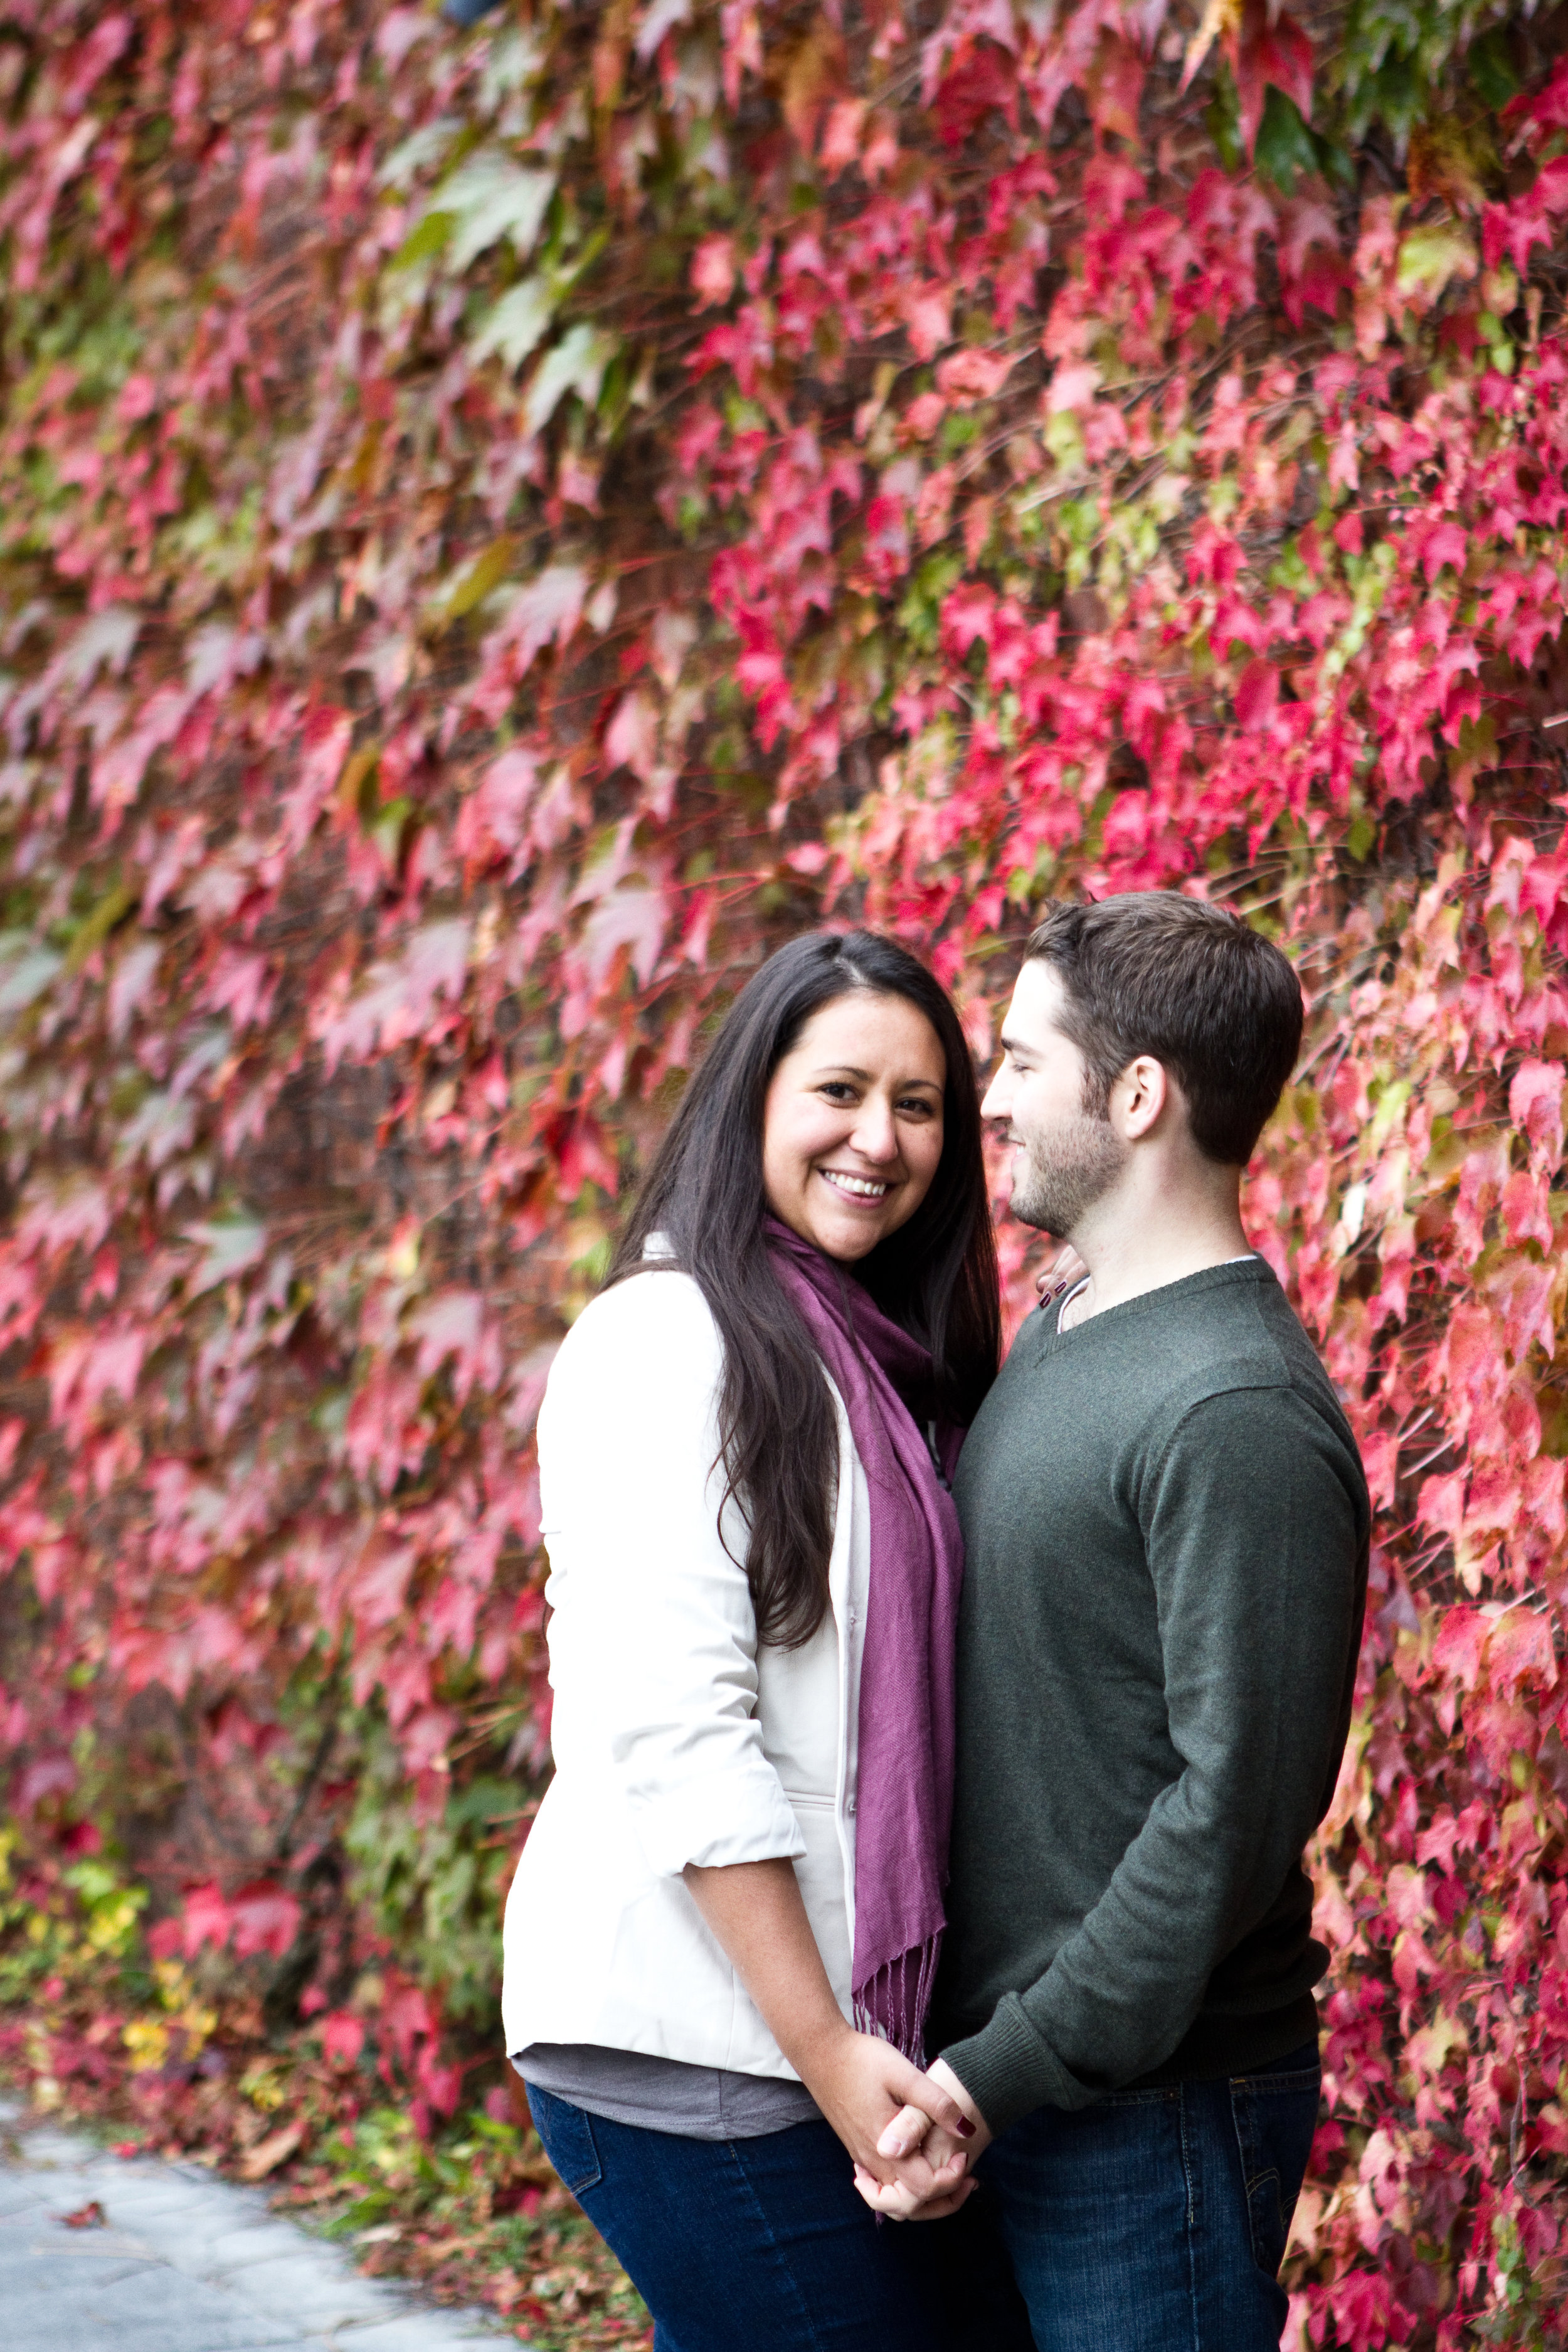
[
  {"x": 653, "y": 1641},
  {"x": 1255, "y": 1542}
]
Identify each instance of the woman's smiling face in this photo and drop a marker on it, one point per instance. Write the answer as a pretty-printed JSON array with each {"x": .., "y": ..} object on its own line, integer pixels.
[{"x": 852, "y": 1126}]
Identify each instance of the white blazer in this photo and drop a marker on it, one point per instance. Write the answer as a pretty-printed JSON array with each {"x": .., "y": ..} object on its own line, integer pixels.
[{"x": 678, "y": 1738}]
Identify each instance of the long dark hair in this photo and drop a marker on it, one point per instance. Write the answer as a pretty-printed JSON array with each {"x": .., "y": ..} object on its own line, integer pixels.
[{"x": 936, "y": 1276}]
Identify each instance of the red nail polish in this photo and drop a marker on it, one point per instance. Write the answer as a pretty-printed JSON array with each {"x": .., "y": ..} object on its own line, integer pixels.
[{"x": 964, "y": 2128}]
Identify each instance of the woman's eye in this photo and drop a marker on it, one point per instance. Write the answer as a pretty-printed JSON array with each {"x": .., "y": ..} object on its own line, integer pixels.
[
  {"x": 917, "y": 1107},
  {"x": 836, "y": 1090}
]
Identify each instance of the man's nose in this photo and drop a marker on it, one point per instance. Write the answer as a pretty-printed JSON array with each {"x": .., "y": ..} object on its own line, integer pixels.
[{"x": 999, "y": 1102}]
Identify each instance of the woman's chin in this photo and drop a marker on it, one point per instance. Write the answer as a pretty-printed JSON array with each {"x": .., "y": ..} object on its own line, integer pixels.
[
  {"x": 847, "y": 1239},
  {"x": 839, "y": 1232}
]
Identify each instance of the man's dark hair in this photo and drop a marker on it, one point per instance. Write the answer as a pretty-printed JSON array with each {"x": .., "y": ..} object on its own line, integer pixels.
[
  {"x": 1153, "y": 973},
  {"x": 936, "y": 1276}
]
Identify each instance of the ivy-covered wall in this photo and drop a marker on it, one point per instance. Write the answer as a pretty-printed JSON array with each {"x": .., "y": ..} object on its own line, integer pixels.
[{"x": 497, "y": 528}]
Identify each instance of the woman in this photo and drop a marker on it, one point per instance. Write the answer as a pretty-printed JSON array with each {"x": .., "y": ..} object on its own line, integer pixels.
[{"x": 755, "y": 1566}]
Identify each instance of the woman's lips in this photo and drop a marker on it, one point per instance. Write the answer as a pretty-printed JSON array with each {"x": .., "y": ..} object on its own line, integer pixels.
[{"x": 868, "y": 1189}]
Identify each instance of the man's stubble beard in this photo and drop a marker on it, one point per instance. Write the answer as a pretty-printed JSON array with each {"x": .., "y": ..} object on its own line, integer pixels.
[{"x": 1060, "y": 1175}]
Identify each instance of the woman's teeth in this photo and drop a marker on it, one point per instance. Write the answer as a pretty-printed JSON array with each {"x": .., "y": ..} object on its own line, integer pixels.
[{"x": 859, "y": 1188}]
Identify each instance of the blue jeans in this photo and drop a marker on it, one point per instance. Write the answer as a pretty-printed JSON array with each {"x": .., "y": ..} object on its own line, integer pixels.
[
  {"x": 763, "y": 2245},
  {"x": 1156, "y": 2221}
]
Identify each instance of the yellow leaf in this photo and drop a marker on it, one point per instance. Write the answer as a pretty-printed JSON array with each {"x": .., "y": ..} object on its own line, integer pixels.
[
  {"x": 95, "y": 925},
  {"x": 1443, "y": 163},
  {"x": 1220, "y": 18},
  {"x": 814, "y": 74},
  {"x": 147, "y": 2040},
  {"x": 474, "y": 583},
  {"x": 1429, "y": 256},
  {"x": 359, "y": 775},
  {"x": 1429, "y": 2049}
]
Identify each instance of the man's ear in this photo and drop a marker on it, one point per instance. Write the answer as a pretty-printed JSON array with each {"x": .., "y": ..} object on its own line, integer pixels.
[{"x": 1140, "y": 1095}]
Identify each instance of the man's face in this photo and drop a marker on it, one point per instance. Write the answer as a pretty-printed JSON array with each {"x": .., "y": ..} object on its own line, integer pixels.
[{"x": 1066, "y": 1158}]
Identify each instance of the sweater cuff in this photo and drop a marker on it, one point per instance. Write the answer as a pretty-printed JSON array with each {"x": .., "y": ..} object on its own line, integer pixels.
[
  {"x": 716, "y": 1822},
  {"x": 1008, "y": 2071}
]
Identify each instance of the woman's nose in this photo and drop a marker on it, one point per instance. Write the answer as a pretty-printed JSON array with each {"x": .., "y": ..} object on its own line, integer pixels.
[{"x": 876, "y": 1136}]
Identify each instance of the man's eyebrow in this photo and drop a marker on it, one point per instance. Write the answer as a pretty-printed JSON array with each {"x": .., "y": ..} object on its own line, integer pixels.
[{"x": 1015, "y": 1046}]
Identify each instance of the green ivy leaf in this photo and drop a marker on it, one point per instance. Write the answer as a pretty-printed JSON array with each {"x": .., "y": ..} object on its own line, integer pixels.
[
  {"x": 576, "y": 364},
  {"x": 492, "y": 197},
  {"x": 1221, "y": 118},
  {"x": 1360, "y": 836},
  {"x": 1492, "y": 69},
  {"x": 1285, "y": 143},
  {"x": 518, "y": 324}
]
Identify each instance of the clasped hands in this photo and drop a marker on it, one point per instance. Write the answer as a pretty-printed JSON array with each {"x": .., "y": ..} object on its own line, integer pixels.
[
  {"x": 934, "y": 2157},
  {"x": 912, "y": 2163}
]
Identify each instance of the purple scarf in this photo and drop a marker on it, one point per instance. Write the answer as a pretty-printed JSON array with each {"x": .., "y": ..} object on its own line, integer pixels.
[{"x": 904, "y": 1793}]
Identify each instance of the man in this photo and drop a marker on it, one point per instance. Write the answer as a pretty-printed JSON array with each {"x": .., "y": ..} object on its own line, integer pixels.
[{"x": 1167, "y": 1526}]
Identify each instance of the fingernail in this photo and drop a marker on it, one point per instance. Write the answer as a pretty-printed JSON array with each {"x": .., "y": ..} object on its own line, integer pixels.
[{"x": 964, "y": 2128}]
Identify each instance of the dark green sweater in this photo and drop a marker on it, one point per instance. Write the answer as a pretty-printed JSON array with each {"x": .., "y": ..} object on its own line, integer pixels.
[{"x": 1166, "y": 1529}]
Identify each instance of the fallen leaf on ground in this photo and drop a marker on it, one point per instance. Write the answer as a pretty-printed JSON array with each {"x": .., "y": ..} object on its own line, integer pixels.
[{"x": 269, "y": 2152}]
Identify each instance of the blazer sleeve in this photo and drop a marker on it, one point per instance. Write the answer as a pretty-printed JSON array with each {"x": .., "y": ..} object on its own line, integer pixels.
[{"x": 654, "y": 1641}]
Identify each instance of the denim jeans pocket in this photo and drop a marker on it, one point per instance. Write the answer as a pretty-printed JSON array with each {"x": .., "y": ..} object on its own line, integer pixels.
[
  {"x": 567, "y": 2133},
  {"x": 1275, "y": 2117}
]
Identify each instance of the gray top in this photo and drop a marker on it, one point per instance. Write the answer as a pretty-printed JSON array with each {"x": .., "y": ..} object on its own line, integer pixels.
[
  {"x": 1167, "y": 1526},
  {"x": 665, "y": 2093}
]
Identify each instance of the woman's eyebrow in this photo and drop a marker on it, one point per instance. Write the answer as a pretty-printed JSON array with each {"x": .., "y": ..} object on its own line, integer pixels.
[{"x": 847, "y": 1070}]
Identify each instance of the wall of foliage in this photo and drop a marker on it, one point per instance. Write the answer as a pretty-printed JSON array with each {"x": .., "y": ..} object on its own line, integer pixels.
[{"x": 497, "y": 528}]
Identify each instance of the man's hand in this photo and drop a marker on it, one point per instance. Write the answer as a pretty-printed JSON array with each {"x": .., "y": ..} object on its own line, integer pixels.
[{"x": 915, "y": 2133}]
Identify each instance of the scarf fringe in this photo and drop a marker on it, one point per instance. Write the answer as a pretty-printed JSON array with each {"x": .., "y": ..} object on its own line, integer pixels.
[{"x": 893, "y": 2002}]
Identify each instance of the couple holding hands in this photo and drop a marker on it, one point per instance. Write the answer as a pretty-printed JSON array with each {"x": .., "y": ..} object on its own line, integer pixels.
[{"x": 936, "y": 1746}]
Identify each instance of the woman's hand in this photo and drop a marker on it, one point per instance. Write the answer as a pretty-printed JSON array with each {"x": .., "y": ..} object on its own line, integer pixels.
[
  {"x": 861, "y": 2082},
  {"x": 865, "y": 2088},
  {"x": 1055, "y": 1279}
]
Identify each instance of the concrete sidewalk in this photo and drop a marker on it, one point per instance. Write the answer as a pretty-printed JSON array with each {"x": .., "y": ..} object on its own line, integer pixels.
[{"x": 184, "y": 2263}]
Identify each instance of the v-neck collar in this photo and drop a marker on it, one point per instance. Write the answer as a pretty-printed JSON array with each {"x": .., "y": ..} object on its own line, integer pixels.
[{"x": 1251, "y": 1268}]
